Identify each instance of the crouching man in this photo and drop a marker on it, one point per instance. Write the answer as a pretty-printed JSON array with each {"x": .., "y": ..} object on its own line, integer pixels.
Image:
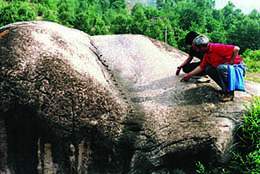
[{"x": 217, "y": 58}]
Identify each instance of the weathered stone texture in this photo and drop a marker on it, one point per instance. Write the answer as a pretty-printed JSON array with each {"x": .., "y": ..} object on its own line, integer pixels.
[{"x": 105, "y": 104}]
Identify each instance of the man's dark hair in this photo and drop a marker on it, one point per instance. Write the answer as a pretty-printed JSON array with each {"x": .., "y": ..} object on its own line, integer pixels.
[{"x": 190, "y": 36}]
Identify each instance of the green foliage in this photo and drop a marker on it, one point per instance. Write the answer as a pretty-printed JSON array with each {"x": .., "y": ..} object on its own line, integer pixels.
[
  {"x": 170, "y": 21},
  {"x": 246, "y": 159},
  {"x": 46, "y": 13},
  {"x": 2, "y": 3},
  {"x": 140, "y": 21},
  {"x": 16, "y": 11},
  {"x": 246, "y": 34},
  {"x": 252, "y": 60},
  {"x": 251, "y": 127},
  {"x": 67, "y": 12},
  {"x": 200, "y": 168},
  {"x": 118, "y": 4},
  {"x": 190, "y": 15},
  {"x": 91, "y": 21},
  {"x": 121, "y": 23}
]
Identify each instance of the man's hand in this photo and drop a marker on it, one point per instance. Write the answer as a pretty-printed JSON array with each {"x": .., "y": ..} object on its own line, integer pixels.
[
  {"x": 178, "y": 70},
  {"x": 235, "y": 53},
  {"x": 186, "y": 77}
]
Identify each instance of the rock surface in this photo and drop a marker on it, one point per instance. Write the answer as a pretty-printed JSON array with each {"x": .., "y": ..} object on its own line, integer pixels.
[{"x": 105, "y": 104}]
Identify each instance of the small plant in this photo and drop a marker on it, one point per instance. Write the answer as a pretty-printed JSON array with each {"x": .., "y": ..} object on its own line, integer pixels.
[
  {"x": 246, "y": 159},
  {"x": 200, "y": 169}
]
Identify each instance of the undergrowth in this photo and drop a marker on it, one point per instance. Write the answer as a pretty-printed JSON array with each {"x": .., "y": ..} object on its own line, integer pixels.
[{"x": 246, "y": 158}]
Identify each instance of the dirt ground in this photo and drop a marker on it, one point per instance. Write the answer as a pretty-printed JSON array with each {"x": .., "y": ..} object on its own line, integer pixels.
[{"x": 255, "y": 77}]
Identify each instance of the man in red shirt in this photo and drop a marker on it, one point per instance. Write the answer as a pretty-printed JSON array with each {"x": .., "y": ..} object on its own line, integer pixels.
[{"x": 216, "y": 58}]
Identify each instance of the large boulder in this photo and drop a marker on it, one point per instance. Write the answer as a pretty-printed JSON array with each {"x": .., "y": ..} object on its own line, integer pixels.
[{"x": 74, "y": 103}]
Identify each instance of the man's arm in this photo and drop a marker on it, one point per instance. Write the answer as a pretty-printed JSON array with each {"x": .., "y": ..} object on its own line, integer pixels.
[
  {"x": 188, "y": 60},
  {"x": 235, "y": 53},
  {"x": 196, "y": 71}
]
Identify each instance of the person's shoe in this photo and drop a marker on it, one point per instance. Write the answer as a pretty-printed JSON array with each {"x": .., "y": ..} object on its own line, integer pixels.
[{"x": 227, "y": 96}]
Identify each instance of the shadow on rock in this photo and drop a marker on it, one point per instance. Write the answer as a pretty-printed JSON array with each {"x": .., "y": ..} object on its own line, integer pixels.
[{"x": 200, "y": 95}]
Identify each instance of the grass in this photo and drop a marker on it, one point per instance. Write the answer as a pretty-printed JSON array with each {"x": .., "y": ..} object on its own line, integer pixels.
[
  {"x": 247, "y": 159},
  {"x": 252, "y": 61}
]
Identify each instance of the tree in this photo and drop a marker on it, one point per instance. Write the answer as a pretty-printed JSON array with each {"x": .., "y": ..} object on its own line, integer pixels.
[
  {"x": 161, "y": 4},
  {"x": 255, "y": 15},
  {"x": 139, "y": 19},
  {"x": 121, "y": 23},
  {"x": 230, "y": 15},
  {"x": 48, "y": 10},
  {"x": 91, "y": 21},
  {"x": 118, "y": 4},
  {"x": 246, "y": 34},
  {"x": 67, "y": 12}
]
